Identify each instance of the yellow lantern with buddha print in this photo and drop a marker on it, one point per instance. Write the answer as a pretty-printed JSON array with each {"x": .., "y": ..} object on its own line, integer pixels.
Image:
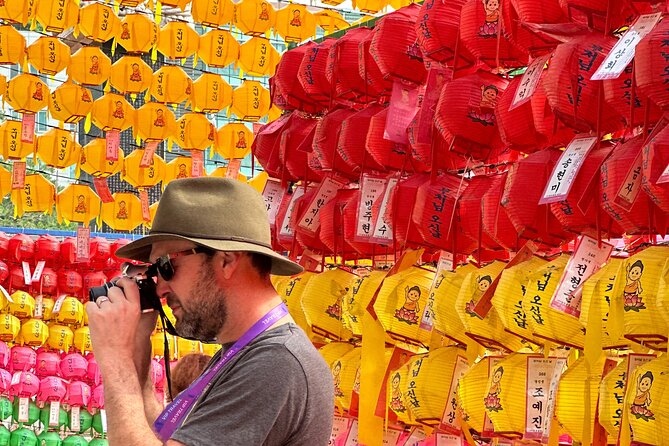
[
  {"x": 322, "y": 302},
  {"x": 138, "y": 33},
  {"x": 89, "y": 66},
  {"x": 57, "y": 16},
  {"x": 171, "y": 85},
  {"x": 27, "y": 93},
  {"x": 646, "y": 403},
  {"x": 77, "y": 203},
  {"x": 446, "y": 289},
  {"x": 234, "y": 140},
  {"x": 98, "y": 22},
  {"x": 70, "y": 102},
  {"x": 124, "y": 213},
  {"x": 254, "y": 17},
  {"x": 130, "y": 74},
  {"x": 295, "y": 23},
  {"x": 142, "y": 177},
  {"x": 94, "y": 160},
  {"x": 179, "y": 167},
  {"x": 37, "y": 195},
  {"x": 48, "y": 55}
]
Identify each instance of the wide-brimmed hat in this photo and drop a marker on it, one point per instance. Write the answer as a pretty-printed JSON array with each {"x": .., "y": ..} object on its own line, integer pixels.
[{"x": 219, "y": 213}]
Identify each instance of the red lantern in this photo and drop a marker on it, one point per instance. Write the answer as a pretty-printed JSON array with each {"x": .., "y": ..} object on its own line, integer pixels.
[
  {"x": 516, "y": 126},
  {"x": 342, "y": 69},
  {"x": 618, "y": 93},
  {"x": 376, "y": 84},
  {"x": 437, "y": 28},
  {"x": 100, "y": 251},
  {"x": 596, "y": 13},
  {"x": 530, "y": 11},
  {"x": 21, "y": 248},
  {"x": 391, "y": 155},
  {"x": 68, "y": 250},
  {"x": 4, "y": 272},
  {"x": 115, "y": 246},
  {"x": 650, "y": 65},
  {"x": 266, "y": 146},
  {"x": 556, "y": 133},
  {"x": 403, "y": 202},
  {"x": 332, "y": 224},
  {"x": 308, "y": 240},
  {"x": 327, "y": 135},
  {"x": 470, "y": 218},
  {"x": 350, "y": 154},
  {"x": 294, "y": 145},
  {"x": 47, "y": 248},
  {"x": 312, "y": 72},
  {"x": 655, "y": 159},
  {"x": 70, "y": 283},
  {"x": 293, "y": 93},
  {"x": 4, "y": 245},
  {"x": 17, "y": 280},
  {"x": 48, "y": 283},
  {"x": 93, "y": 279}
]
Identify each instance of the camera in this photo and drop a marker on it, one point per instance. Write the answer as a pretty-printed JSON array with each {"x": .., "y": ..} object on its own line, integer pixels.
[{"x": 148, "y": 297}]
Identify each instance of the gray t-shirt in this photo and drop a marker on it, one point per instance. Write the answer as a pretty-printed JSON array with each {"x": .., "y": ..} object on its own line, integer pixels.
[{"x": 278, "y": 390}]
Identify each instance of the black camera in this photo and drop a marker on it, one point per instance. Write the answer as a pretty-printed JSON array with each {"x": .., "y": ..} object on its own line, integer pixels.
[{"x": 148, "y": 297}]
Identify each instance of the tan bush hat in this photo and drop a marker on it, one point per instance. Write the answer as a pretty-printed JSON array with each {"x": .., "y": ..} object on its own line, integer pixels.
[{"x": 219, "y": 213}]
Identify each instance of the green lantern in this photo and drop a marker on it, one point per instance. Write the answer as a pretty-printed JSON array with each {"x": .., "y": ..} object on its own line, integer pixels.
[
  {"x": 85, "y": 421},
  {"x": 98, "y": 442},
  {"x": 97, "y": 423},
  {"x": 75, "y": 440},
  {"x": 5, "y": 408},
  {"x": 49, "y": 438},
  {"x": 23, "y": 437},
  {"x": 33, "y": 411},
  {"x": 45, "y": 414},
  {"x": 5, "y": 435}
]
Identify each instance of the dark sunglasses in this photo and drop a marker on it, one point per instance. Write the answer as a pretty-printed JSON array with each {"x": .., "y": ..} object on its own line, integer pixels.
[{"x": 163, "y": 264}]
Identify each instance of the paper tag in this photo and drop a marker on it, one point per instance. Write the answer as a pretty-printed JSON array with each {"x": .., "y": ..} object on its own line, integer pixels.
[
  {"x": 102, "y": 189},
  {"x": 75, "y": 420},
  {"x": 27, "y": 276},
  {"x": 529, "y": 82},
  {"x": 197, "y": 163},
  {"x": 103, "y": 419},
  {"x": 339, "y": 426},
  {"x": 444, "y": 264},
  {"x": 58, "y": 304},
  {"x": 233, "y": 168},
  {"x": 403, "y": 107},
  {"x": 630, "y": 188},
  {"x": 24, "y": 408},
  {"x": 587, "y": 259},
  {"x": 623, "y": 51},
  {"x": 371, "y": 190},
  {"x": 39, "y": 306},
  {"x": 566, "y": 169},
  {"x": 449, "y": 420},
  {"x": 383, "y": 227},
  {"x": 310, "y": 220},
  {"x": 352, "y": 438},
  {"x": 37, "y": 274},
  {"x": 18, "y": 174},
  {"x": 416, "y": 437},
  {"x": 83, "y": 253},
  {"x": 560, "y": 364},
  {"x": 286, "y": 226},
  {"x": 390, "y": 436},
  {"x": 54, "y": 413},
  {"x": 16, "y": 378},
  {"x": 144, "y": 200},
  {"x": 537, "y": 386},
  {"x": 149, "y": 151},
  {"x": 664, "y": 178},
  {"x": 113, "y": 142},
  {"x": 28, "y": 128},
  {"x": 6, "y": 294},
  {"x": 273, "y": 194},
  {"x": 448, "y": 440}
]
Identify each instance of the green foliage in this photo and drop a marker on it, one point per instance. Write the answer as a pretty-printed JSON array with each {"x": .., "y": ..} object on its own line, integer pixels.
[{"x": 32, "y": 220}]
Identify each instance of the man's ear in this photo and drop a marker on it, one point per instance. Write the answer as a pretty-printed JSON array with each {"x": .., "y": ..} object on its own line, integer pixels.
[{"x": 228, "y": 262}]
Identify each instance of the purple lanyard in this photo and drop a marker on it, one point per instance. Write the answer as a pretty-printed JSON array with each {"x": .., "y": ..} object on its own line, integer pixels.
[{"x": 176, "y": 412}]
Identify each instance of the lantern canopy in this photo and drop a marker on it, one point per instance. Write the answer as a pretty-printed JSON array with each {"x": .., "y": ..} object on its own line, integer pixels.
[
  {"x": 89, "y": 66},
  {"x": 48, "y": 55},
  {"x": 98, "y": 22},
  {"x": 254, "y": 17},
  {"x": 78, "y": 203},
  {"x": 138, "y": 33},
  {"x": 218, "y": 48}
]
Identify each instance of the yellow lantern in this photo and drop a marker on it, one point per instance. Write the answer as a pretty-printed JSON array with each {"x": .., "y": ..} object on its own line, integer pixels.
[
  {"x": 47, "y": 305},
  {"x": 152, "y": 212},
  {"x": 213, "y": 13},
  {"x": 77, "y": 203},
  {"x": 250, "y": 101},
  {"x": 210, "y": 349},
  {"x": 178, "y": 40},
  {"x": 70, "y": 102},
  {"x": 3, "y": 85},
  {"x": 9, "y": 327},
  {"x": 274, "y": 113},
  {"x": 34, "y": 333},
  {"x": 645, "y": 402},
  {"x": 359, "y": 297},
  {"x": 187, "y": 347},
  {"x": 48, "y": 55},
  {"x": 94, "y": 159},
  {"x": 234, "y": 141},
  {"x": 195, "y": 132},
  {"x": 5, "y": 182},
  {"x": 332, "y": 351},
  {"x": 98, "y": 22},
  {"x": 12, "y": 45},
  {"x": 57, "y": 15},
  {"x": 23, "y": 305},
  {"x": 211, "y": 94},
  {"x": 158, "y": 345},
  {"x": 139, "y": 176},
  {"x": 71, "y": 312},
  {"x": 37, "y": 195},
  {"x": 181, "y": 4},
  {"x": 471, "y": 394},
  {"x": 322, "y": 301},
  {"x": 222, "y": 172},
  {"x": 258, "y": 57},
  {"x": 295, "y": 23},
  {"x": 89, "y": 66},
  {"x": 155, "y": 122},
  {"x": 60, "y": 337},
  {"x": 124, "y": 213},
  {"x": 10, "y": 141},
  {"x": 27, "y": 93},
  {"x": 291, "y": 291},
  {"x": 179, "y": 167},
  {"x": 171, "y": 85},
  {"x": 112, "y": 112},
  {"x": 254, "y": 17},
  {"x": 259, "y": 181},
  {"x": 138, "y": 33},
  {"x": 218, "y": 49},
  {"x": 345, "y": 371},
  {"x": 130, "y": 74},
  {"x": 131, "y": 3},
  {"x": 371, "y": 6},
  {"x": 58, "y": 148},
  {"x": 330, "y": 21},
  {"x": 17, "y": 11}
]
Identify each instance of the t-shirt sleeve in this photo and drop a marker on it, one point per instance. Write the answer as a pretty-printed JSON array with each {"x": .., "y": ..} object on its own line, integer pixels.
[{"x": 258, "y": 400}]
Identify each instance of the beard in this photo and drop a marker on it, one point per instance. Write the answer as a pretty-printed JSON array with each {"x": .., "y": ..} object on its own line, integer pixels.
[{"x": 206, "y": 311}]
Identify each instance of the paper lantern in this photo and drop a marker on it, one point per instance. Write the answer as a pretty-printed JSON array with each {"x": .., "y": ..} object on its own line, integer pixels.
[
  {"x": 437, "y": 28},
  {"x": 446, "y": 288},
  {"x": 618, "y": 93},
  {"x": 258, "y": 57},
  {"x": 612, "y": 392},
  {"x": 93, "y": 376},
  {"x": 12, "y": 45},
  {"x": 94, "y": 161},
  {"x": 195, "y": 132},
  {"x": 344, "y": 376},
  {"x": 397, "y": 386},
  {"x": 155, "y": 122},
  {"x": 384, "y": 152},
  {"x": 38, "y": 195},
  {"x": 98, "y": 22},
  {"x": 516, "y": 126},
  {"x": 48, "y": 282},
  {"x": 266, "y": 146},
  {"x": 9, "y": 327},
  {"x": 312, "y": 71},
  {"x": 137, "y": 176},
  {"x": 212, "y": 13},
  {"x": 23, "y": 305},
  {"x": 57, "y": 148},
  {"x": 57, "y": 15},
  {"x": 47, "y": 364},
  {"x": 34, "y": 333},
  {"x": 296, "y": 140},
  {"x": 286, "y": 93},
  {"x": 178, "y": 40},
  {"x": 171, "y": 85},
  {"x": 112, "y": 112},
  {"x": 22, "y": 359},
  {"x": 187, "y": 347},
  {"x": 138, "y": 33},
  {"x": 78, "y": 203},
  {"x": 649, "y": 65},
  {"x": 361, "y": 295},
  {"x": 655, "y": 158},
  {"x": 179, "y": 167},
  {"x": 333, "y": 216},
  {"x": 322, "y": 302},
  {"x": 130, "y": 74},
  {"x": 254, "y": 17},
  {"x": 291, "y": 292},
  {"x": 181, "y": 4},
  {"x": 16, "y": 280},
  {"x": 645, "y": 404},
  {"x": 69, "y": 282},
  {"x": 47, "y": 306},
  {"x": 342, "y": 70},
  {"x": 295, "y": 23},
  {"x": 124, "y": 213},
  {"x": 218, "y": 48},
  {"x": 60, "y": 338},
  {"x": 10, "y": 141},
  {"x": 21, "y": 247},
  {"x": 72, "y": 310},
  {"x": 234, "y": 140},
  {"x": 471, "y": 394},
  {"x": 327, "y": 136},
  {"x": 78, "y": 394},
  {"x": 89, "y": 66},
  {"x": 211, "y": 94},
  {"x": 70, "y": 102},
  {"x": 51, "y": 388},
  {"x": 470, "y": 235},
  {"x": 18, "y": 11},
  {"x": 250, "y": 101},
  {"x": 73, "y": 366},
  {"x": 100, "y": 249},
  {"x": 27, "y": 93},
  {"x": 48, "y": 55},
  {"x": 46, "y": 247}
]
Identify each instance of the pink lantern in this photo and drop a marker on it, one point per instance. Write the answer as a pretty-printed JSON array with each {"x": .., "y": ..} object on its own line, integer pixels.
[
  {"x": 93, "y": 376},
  {"x": 48, "y": 364},
  {"x": 21, "y": 247},
  {"x": 157, "y": 374},
  {"x": 51, "y": 389},
  {"x": 24, "y": 385},
  {"x": 73, "y": 366},
  {"x": 5, "y": 381},
  {"x": 22, "y": 359},
  {"x": 78, "y": 394},
  {"x": 4, "y": 354},
  {"x": 97, "y": 400}
]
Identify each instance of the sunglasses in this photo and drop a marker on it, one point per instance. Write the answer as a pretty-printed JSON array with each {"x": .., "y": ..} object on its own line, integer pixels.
[{"x": 163, "y": 264}]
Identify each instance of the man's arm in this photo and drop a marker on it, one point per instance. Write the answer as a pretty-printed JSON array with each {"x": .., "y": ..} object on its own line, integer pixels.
[{"x": 142, "y": 360}]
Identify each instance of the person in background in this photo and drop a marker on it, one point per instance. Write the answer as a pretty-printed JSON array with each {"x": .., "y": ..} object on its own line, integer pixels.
[{"x": 186, "y": 370}]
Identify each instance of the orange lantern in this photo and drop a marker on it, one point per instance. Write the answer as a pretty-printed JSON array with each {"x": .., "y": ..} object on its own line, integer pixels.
[
  {"x": 177, "y": 40},
  {"x": 98, "y": 22},
  {"x": 11, "y": 145},
  {"x": 155, "y": 122},
  {"x": 171, "y": 85},
  {"x": 58, "y": 148},
  {"x": 330, "y": 21},
  {"x": 295, "y": 23},
  {"x": 179, "y": 167},
  {"x": 250, "y": 101},
  {"x": 218, "y": 48},
  {"x": 131, "y": 3},
  {"x": 130, "y": 74},
  {"x": 5, "y": 182},
  {"x": 137, "y": 176},
  {"x": 37, "y": 195},
  {"x": 70, "y": 102},
  {"x": 57, "y": 15},
  {"x": 214, "y": 13},
  {"x": 254, "y": 17},
  {"x": 124, "y": 213},
  {"x": 211, "y": 94},
  {"x": 181, "y": 4},
  {"x": 27, "y": 93},
  {"x": 12, "y": 45},
  {"x": 113, "y": 112},
  {"x": 48, "y": 55},
  {"x": 258, "y": 57},
  {"x": 138, "y": 33},
  {"x": 222, "y": 172},
  {"x": 77, "y": 203},
  {"x": 89, "y": 66},
  {"x": 17, "y": 11},
  {"x": 195, "y": 132},
  {"x": 234, "y": 140},
  {"x": 94, "y": 159}
]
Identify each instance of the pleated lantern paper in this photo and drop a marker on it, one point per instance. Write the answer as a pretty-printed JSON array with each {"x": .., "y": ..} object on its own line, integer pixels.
[
  {"x": 37, "y": 195},
  {"x": 17, "y": 12},
  {"x": 345, "y": 370},
  {"x": 70, "y": 103},
  {"x": 327, "y": 136},
  {"x": 397, "y": 386},
  {"x": 9, "y": 327},
  {"x": 171, "y": 85},
  {"x": 47, "y": 364},
  {"x": 47, "y": 248},
  {"x": 71, "y": 312},
  {"x": 27, "y": 93},
  {"x": 34, "y": 333},
  {"x": 437, "y": 29},
  {"x": 332, "y": 354},
  {"x": 211, "y": 94},
  {"x": 250, "y": 101},
  {"x": 645, "y": 402},
  {"x": 69, "y": 281},
  {"x": 405, "y": 230},
  {"x": 11, "y": 145},
  {"x": 130, "y": 74},
  {"x": 291, "y": 293},
  {"x": 258, "y": 57},
  {"x": 361, "y": 295},
  {"x": 112, "y": 112},
  {"x": 375, "y": 81},
  {"x": 618, "y": 93},
  {"x": 58, "y": 148},
  {"x": 21, "y": 247},
  {"x": 52, "y": 388},
  {"x": 350, "y": 155},
  {"x": 307, "y": 239},
  {"x": 330, "y": 21},
  {"x": 181, "y": 4},
  {"x": 254, "y": 17},
  {"x": 554, "y": 131},
  {"x": 294, "y": 23},
  {"x": 469, "y": 232},
  {"x": 57, "y": 15},
  {"x": 332, "y": 232},
  {"x": 89, "y": 66},
  {"x": 154, "y": 122},
  {"x": 98, "y": 22},
  {"x": 77, "y": 203},
  {"x": 48, "y": 55},
  {"x": 391, "y": 155},
  {"x": 195, "y": 132},
  {"x": 446, "y": 289},
  {"x": 655, "y": 158},
  {"x": 12, "y": 45},
  {"x": 218, "y": 48},
  {"x": 322, "y": 302},
  {"x": 178, "y": 40},
  {"x": 138, "y": 33},
  {"x": 296, "y": 141},
  {"x": 179, "y": 167},
  {"x": 23, "y": 306},
  {"x": 212, "y": 13},
  {"x": 471, "y": 394},
  {"x": 94, "y": 161},
  {"x": 312, "y": 72},
  {"x": 124, "y": 213},
  {"x": 234, "y": 140},
  {"x": 649, "y": 65},
  {"x": 288, "y": 94},
  {"x": 342, "y": 70},
  {"x": 142, "y": 177},
  {"x": 400, "y": 304},
  {"x": 266, "y": 146},
  {"x": 222, "y": 172}
]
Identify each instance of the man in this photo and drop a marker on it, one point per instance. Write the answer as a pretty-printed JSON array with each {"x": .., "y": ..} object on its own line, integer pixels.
[{"x": 210, "y": 242}]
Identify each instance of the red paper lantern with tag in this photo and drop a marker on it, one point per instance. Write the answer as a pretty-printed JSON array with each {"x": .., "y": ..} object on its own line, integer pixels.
[
  {"x": 295, "y": 143},
  {"x": 93, "y": 279},
  {"x": 437, "y": 28},
  {"x": 68, "y": 250},
  {"x": 308, "y": 240},
  {"x": 376, "y": 83},
  {"x": 391, "y": 155},
  {"x": 48, "y": 283},
  {"x": 470, "y": 217},
  {"x": 342, "y": 69},
  {"x": 350, "y": 154},
  {"x": 21, "y": 248},
  {"x": 47, "y": 248},
  {"x": 516, "y": 126},
  {"x": 311, "y": 73},
  {"x": 266, "y": 146},
  {"x": 402, "y": 206},
  {"x": 100, "y": 250},
  {"x": 650, "y": 65},
  {"x": 332, "y": 225},
  {"x": 70, "y": 282},
  {"x": 327, "y": 136},
  {"x": 655, "y": 159},
  {"x": 596, "y": 13},
  {"x": 530, "y": 11},
  {"x": 115, "y": 246},
  {"x": 293, "y": 93},
  {"x": 618, "y": 93},
  {"x": 555, "y": 132},
  {"x": 17, "y": 280}
]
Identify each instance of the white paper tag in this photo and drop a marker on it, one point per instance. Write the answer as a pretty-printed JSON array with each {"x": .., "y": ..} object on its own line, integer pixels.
[
  {"x": 310, "y": 220},
  {"x": 352, "y": 438},
  {"x": 286, "y": 227},
  {"x": 27, "y": 276},
  {"x": 75, "y": 423},
  {"x": 273, "y": 194},
  {"x": 450, "y": 421},
  {"x": 83, "y": 244},
  {"x": 631, "y": 187},
  {"x": 566, "y": 169},
  {"x": 103, "y": 419},
  {"x": 390, "y": 436},
  {"x": 416, "y": 437},
  {"x": 539, "y": 375},
  {"x": 39, "y": 306},
  {"x": 560, "y": 364},
  {"x": 371, "y": 190},
  {"x": 664, "y": 178},
  {"x": 58, "y": 304},
  {"x": 529, "y": 82},
  {"x": 383, "y": 228},
  {"x": 37, "y": 274},
  {"x": 6, "y": 294},
  {"x": 448, "y": 440},
  {"x": 24, "y": 410},
  {"x": 339, "y": 426},
  {"x": 444, "y": 264},
  {"x": 54, "y": 413}
]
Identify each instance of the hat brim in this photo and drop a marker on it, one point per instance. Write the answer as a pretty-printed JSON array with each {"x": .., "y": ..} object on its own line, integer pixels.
[{"x": 141, "y": 250}]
